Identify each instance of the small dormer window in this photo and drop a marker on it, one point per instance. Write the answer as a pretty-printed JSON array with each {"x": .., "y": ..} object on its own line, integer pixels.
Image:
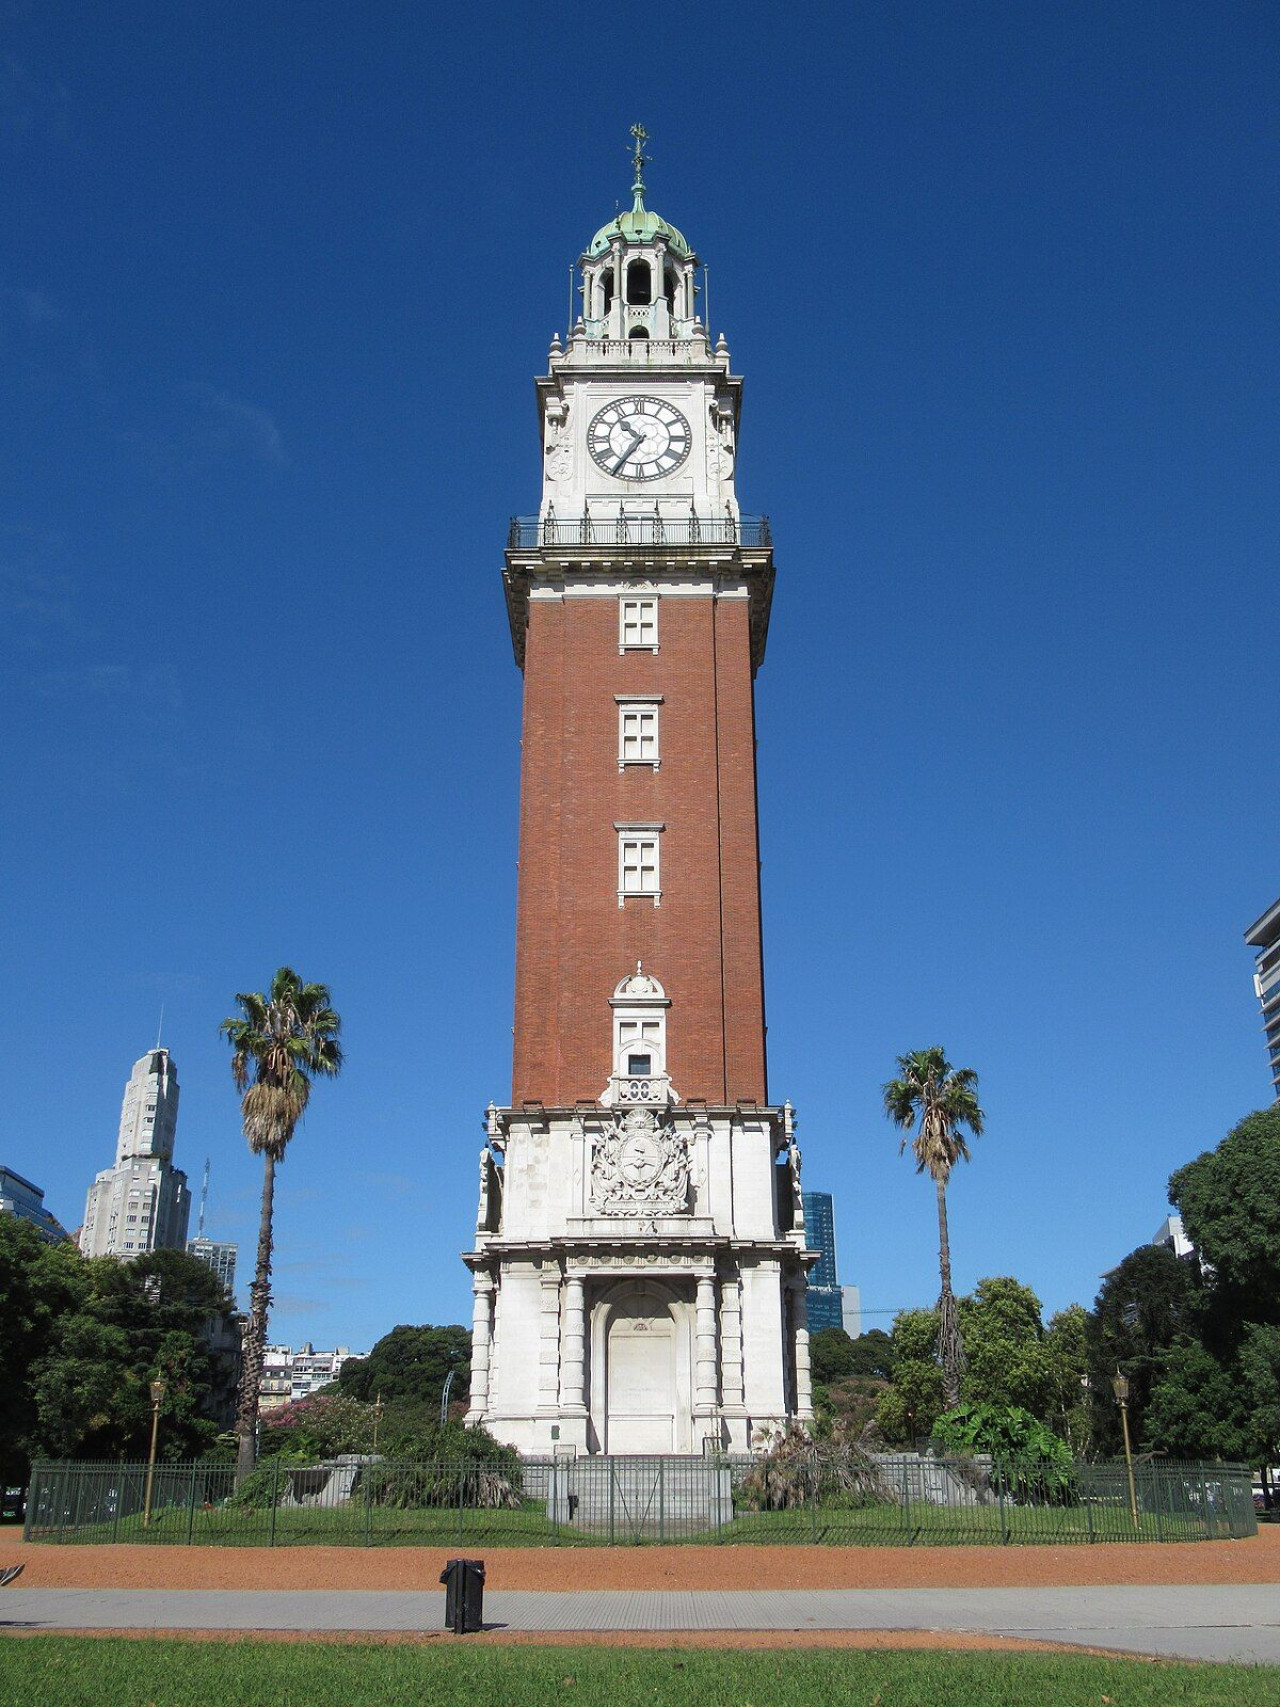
[{"x": 639, "y": 1075}]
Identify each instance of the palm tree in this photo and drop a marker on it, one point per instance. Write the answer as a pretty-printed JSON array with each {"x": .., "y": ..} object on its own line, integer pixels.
[
  {"x": 280, "y": 1042},
  {"x": 943, "y": 1100}
]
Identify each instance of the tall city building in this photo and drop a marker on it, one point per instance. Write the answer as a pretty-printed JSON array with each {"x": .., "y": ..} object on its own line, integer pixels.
[
  {"x": 26, "y": 1201},
  {"x": 219, "y": 1256},
  {"x": 142, "y": 1203},
  {"x": 826, "y": 1304},
  {"x": 639, "y": 1259},
  {"x": 1264, "y": 936}
]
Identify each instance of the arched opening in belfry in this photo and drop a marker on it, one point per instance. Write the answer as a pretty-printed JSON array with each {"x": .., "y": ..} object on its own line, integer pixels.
[
  {"x": 639, "y": 284},
  {"x": 606, "y": 285},
  {"x": 637, "y": 332},
  {"x": 669, "y": 286}
]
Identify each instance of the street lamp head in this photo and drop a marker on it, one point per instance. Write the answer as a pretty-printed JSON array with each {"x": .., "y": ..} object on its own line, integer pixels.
[
  {"x": 1120, "y": 1387},
  {"x": 157, "y": 1392}
]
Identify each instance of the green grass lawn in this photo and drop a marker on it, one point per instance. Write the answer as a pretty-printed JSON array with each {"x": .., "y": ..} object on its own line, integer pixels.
[{"x": 66, "y": 1671}]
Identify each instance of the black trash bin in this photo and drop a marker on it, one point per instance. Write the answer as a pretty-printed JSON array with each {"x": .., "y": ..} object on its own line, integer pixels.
[{"x": 463, "y": 1581}]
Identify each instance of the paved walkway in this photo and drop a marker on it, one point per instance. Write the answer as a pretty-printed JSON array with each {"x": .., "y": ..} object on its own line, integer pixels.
[{"x": 1210, "y": 1622}]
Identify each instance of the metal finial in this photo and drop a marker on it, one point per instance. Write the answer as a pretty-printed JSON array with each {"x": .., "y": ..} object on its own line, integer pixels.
[{"x": 639, "y": 158}]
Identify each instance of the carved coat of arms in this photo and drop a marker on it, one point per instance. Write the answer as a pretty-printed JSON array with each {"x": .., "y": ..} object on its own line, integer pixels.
[{"x": 640, "y": 1167}]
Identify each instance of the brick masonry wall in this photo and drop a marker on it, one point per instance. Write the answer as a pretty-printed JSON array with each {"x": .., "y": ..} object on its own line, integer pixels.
[{"x": 574, "y": 942}]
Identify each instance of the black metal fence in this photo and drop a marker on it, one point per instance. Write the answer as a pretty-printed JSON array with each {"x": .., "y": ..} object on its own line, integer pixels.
[{"x": 895, "y": 1500}]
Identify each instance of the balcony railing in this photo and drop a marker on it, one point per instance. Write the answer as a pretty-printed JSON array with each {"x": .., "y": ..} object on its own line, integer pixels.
[
  {"x": 648, "y": 352},
  {"x": 529, "y": 531}
]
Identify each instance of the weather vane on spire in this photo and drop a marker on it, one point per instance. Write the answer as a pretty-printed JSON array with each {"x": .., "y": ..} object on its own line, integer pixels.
[{"x": 640, "y": 158}]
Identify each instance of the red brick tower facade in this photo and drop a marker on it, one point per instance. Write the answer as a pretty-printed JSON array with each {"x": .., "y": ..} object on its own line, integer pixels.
[{"x": 640, "y": 1259}]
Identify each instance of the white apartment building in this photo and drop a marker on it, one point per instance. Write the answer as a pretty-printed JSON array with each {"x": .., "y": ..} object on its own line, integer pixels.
[
  {"x": 288, "y": 1375},
  {"x": 219, "y": 1256},
  {"x": 142, "y": 1203}
]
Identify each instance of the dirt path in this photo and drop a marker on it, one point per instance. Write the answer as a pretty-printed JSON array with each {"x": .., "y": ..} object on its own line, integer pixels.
[{"x": 728, "y": 1567}]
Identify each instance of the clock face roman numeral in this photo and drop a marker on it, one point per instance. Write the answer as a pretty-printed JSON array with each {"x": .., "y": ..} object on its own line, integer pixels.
[{"x": 639, "y": 438}]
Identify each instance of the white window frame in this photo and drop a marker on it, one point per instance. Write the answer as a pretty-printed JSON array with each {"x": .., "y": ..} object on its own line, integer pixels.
[
  {"x": 646, "y": 838},
  {"x": 639, "y": 731},
  {"x": 645, "y": 607}
]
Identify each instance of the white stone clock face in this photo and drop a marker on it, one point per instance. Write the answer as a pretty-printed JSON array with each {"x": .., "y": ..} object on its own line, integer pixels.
[{"x": 639, "y": 438}]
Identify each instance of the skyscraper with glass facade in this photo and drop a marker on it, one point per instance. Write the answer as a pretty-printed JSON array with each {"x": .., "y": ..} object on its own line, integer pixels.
[{"x": 825, "y": 1303}]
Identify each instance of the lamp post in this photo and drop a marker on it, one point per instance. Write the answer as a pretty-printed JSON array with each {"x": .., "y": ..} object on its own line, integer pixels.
[
  {"x": 157, "y": 1395},
  {"x": 1120, "y": 1387}
]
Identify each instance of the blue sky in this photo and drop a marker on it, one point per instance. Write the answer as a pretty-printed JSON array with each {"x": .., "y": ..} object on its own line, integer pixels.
[{"x": 274, "y": 282}]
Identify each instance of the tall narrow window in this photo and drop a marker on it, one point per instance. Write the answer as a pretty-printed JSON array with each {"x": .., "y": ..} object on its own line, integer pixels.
[
  {"x": 638, "y": 625},
  {"x": 638, "y": 862},
  {"x": 637, "y": 731}
]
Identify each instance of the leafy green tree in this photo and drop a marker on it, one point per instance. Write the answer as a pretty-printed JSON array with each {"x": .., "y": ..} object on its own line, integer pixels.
[
  {"x": 838, "y": 1357},
  {"x": 1067, "y": 1353},
  {"x": 939, "y": 1101},
  {"x": 907, "y": 1411},
  {"x": 1145, "y": 1305},
  {"x": 280, "y": 1042},
  {"x": 830, "y": 1355},
  {"x": 1195, "y": 1408},
  {"x": 1008, "y": 1362},
  {"x": 1229, "y": 1200},
  {"x": 155, "y": 1316},
  {"x": 873, "y": 1354},
  {"x": 411, "y": 1363},
  {"x": 39, "y": 1284},
  {"x": 1258, "y": 1367}
]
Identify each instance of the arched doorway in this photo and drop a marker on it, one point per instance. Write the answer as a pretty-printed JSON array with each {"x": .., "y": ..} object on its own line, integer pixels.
[{"x": 641, "y": 1369}]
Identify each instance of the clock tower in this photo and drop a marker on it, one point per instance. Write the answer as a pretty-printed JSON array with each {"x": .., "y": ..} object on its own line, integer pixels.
[{"x": 639, "y": 1258}]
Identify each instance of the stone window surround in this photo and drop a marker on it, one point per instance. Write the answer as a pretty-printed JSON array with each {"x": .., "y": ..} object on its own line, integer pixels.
[
  {"x": 633, "y": 706},
  {"x": 645, "y": 608},
  {"x": 646, "y": 836}
]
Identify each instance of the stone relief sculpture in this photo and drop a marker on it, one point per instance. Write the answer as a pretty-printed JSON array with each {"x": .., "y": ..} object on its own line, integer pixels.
[
  {"x": 719, "y": 442},
  {"x": 640, "y": 1166},
  {"x": 559, "y": 448}
]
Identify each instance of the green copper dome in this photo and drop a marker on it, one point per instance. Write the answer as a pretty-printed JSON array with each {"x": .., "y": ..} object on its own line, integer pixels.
[{"x": 638, "y": 226}]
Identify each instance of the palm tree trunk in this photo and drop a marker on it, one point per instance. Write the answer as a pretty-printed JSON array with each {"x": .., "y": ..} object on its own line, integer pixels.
[
  {"x": 950, "y": 1344},
  {"x": 255, "y": 1338}
]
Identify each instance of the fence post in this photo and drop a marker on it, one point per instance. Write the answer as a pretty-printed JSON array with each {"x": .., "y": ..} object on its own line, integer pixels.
[
  {"x": 662, "y": 1495},
  {"x": 813, "y": 1499},
  {"x": 275, "y": 1498},
  {"x": 191, "y": 1504},
  {"x": 461, "y": 1490},
  {"x": 1156, "y": 1475},
  {"x": 368, "y": 1503},
  {"x": 906, "y": 1499},
  {"x": 609, "y": 1466},
  {"x": 1207, "y": 1510},
  {"x": 1004, "y": 1521}
]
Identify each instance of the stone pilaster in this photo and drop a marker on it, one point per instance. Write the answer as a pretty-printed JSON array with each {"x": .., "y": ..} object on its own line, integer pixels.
[
  {"x": 804, "y": 1378},
  {"x": 705, "y": 1349},
  {"x": 481, "y": 1348},
  {"x": 549, "y": 1339},
  {"x": 573, "y": 1349}
]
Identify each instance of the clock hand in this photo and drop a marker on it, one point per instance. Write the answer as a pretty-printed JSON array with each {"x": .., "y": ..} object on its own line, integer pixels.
[{"x": 636, "y": 439}]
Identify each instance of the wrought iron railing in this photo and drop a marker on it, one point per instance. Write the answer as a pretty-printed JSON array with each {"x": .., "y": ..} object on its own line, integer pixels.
[
  {"x": 530, "y": 531},
  {"x": 908, "y": 1499}
]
